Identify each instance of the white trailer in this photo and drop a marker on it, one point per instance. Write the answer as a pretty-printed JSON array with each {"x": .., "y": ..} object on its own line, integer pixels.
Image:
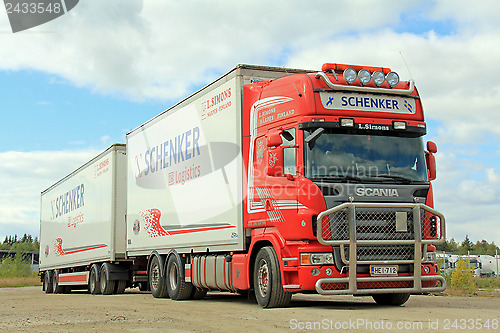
[
  {"x": 173, "y": 159},
  {"x": 83, "y": 220}
]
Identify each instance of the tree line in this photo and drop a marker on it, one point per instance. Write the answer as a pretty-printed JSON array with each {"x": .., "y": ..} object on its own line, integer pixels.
[
  {"x": 468, "y": 247},
  {"x": 25, "y": 243}
]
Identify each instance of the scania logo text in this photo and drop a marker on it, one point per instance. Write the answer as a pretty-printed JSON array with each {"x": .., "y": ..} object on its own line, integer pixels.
[{"x": 376, "y": 192}]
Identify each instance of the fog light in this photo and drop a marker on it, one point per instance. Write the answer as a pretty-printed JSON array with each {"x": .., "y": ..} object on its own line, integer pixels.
[
  {"x": 427, "y": 269},
  {"x": 436, "y": 269},
  {"x": 347, "y": 122},
  {"x": 315, "y": 271},
  {"x": 329, "y": 271},
  {"x": 392, "y": 78},
  {"x": 378, "y": 78},
  {"x": 350, "y": 75},
  {"x": 364, "y": 76}
]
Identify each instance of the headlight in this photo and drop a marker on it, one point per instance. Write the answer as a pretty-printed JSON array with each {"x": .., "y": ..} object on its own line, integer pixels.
[
  {"x": 392, "y": 78},
  {"x": 316, "y": 259},
  {"x": 350, "y": 75},
  {"x": 378, "y": 78},
  {"x": 431, "y": 257},
  {"x": 364, "y": 76}
]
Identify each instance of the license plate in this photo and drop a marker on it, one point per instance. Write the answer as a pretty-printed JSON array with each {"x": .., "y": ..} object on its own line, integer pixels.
[{"x": 376, "y": 270}]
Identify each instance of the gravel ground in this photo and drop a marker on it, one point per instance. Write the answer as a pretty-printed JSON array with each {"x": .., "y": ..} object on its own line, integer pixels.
[{"x": 30, "y": 310}]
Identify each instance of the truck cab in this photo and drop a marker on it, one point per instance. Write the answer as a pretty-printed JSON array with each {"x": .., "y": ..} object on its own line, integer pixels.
[{"x": 339, "y": 183}]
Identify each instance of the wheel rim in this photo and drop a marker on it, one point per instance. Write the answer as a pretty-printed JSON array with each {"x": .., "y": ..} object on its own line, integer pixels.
[
  {"x": 173, "y": 276},
  {"x": 92, "y": 281},
  {"x": 263, "y": 278},
  {"x": 103, "y": 280},
  {"x": 155, "y": 276}
]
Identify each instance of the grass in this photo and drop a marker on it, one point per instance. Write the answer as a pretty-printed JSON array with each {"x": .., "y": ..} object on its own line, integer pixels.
[
  {"x": 11, "y": 282},
  {"x": 16, "y": 272},
  {"x": 489, "y": 283}
]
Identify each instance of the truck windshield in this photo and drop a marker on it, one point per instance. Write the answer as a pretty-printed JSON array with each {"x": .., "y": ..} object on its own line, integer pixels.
[{"x": 362, "y": 157}]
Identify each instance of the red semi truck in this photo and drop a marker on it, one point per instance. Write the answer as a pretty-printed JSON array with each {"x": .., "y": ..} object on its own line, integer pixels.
[{"x": 268, "y": 180}]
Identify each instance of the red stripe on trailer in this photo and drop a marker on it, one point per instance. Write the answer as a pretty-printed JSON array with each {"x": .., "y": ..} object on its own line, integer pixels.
[
  {"x": 86, "y": 249},
  {"x": 73, "y": 278},
  {"x": 187, "y": 231}
]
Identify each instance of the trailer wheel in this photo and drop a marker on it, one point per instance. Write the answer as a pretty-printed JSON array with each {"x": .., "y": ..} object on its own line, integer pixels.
[
  {"x": 267, "y": 280},
  {"x": 107, "y": 286},
  {"x": 47, "y": 282},
  {"x": 94, "y": 287},
  {"x": 120, "y": 286},
  {"x": 178, "y": 288},
  {"x": 391, "y": 299},
  {"x": 55, "y": 283},
  {"x": 198, "y": 293},
  {"x": 157, "y": 283}
]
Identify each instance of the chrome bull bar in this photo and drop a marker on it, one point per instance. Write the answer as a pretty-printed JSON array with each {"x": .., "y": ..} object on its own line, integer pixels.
[{"x": 420, "y": 217}]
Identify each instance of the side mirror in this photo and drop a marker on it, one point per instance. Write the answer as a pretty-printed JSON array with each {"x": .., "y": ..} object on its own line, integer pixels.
[
  {"x": 275, "y": 162},
  {"x": 274, "y": 138},
  {"x": 431, "y": 165},
  {"x": 431, "y": 147}
]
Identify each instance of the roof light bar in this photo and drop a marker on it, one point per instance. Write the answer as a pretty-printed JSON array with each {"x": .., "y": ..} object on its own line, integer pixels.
[
  {"x": 378, "y": 78},
  {"x": 364, "y": 76},
  {"x": 350, "y": 75},
  {"x": 392, "y": 78}
]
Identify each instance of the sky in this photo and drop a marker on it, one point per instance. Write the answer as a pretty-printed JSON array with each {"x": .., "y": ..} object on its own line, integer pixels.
[{"x": 73, "y": 86}]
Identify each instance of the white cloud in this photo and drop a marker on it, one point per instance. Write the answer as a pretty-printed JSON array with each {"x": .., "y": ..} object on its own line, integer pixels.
[
  {"x": 23, "y": 176},
  {"x": 468, "y": 194}
]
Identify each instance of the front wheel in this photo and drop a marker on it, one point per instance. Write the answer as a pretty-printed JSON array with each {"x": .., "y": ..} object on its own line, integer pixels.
[
  {"x": 391, "y": 299},
  {"x": 267, "y": 280}
]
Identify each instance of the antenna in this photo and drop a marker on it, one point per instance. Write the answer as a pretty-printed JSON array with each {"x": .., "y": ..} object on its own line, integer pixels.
[
  {"x": 407, "y": 67},
  {"x": 293, "y": 84}
]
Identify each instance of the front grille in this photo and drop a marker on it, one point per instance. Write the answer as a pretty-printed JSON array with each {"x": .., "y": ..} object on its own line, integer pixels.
[
  {"x": 382, "y": 252},
  {"x": 371, "y": 224},
  {"x": 387, "y": 226}
]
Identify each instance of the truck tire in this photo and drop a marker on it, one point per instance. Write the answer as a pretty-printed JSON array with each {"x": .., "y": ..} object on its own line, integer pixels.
[
  {"x": 267, "y": 280},
  {"x": 47, "y": 282},
  {"x": 157, "y": 283},
  {"x": 391, "y": 299},
  {"x": 178, "y": 288},
  {"x": 198, "y": 293},
  {"x": 107, "y": 286},
  {"x": 55, "y": 283},
  {"x": 120, "y": 286},
  {"x": 143, "y": 286},
  {"x": 94, "y": 286}
]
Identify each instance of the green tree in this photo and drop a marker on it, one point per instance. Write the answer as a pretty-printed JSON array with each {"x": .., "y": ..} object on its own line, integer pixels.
[
  {"x": 17, "y": 266},
  {"x": 463, "y": 277}
]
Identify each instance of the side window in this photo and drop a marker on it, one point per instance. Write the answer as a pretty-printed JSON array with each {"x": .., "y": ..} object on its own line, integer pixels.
[{"x": 290, "y": 153}]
